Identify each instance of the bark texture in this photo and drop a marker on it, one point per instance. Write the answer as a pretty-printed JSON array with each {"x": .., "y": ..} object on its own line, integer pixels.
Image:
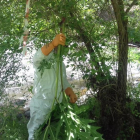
[{"x": 122, "y": 21}]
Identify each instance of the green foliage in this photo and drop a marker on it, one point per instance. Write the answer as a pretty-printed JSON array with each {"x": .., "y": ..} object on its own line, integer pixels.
[
  {"x": 87, "y": 28},
  {"x": 134, "y": 25},
  {"x": 46, "y": 65},
  {"x": 81, "y": 109},
  {"x": 11, "y": 30},
  {"x": 66, "y": 124},
  {"x": 134, "y": 55},
  {"x": 12, "y": 127}
]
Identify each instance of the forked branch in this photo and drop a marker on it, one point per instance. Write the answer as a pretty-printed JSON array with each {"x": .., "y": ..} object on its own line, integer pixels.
[{"x": 131, "y": 5}]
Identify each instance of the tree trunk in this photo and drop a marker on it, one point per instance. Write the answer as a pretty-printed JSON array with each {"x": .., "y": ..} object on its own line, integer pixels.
[
  {"x": 117, "y": 103},
  {"x": 122, "y": 64},
  {"x": 122, "y": 21}
]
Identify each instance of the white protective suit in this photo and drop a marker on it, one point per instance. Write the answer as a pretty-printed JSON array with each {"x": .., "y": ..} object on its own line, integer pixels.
[{"x": 44, "y": 90}]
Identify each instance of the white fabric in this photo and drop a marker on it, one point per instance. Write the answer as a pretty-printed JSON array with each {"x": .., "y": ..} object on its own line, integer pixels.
[{"x": 44, "y": 90}]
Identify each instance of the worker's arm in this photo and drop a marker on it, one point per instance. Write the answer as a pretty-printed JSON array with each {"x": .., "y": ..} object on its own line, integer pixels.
[
  {"x": 71, "y": 94},
  {"x": 60, "y": 39},
  {"x": 45, "y": 51}
]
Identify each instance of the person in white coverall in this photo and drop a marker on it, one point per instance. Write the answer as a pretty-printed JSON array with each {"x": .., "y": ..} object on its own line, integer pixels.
[{"x": 45, "y": 85}]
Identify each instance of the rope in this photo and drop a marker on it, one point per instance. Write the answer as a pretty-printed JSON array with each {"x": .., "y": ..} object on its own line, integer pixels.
[{"x": 24, "y": 37}]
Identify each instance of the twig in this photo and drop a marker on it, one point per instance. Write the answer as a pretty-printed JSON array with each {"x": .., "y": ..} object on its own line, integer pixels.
[
  {"x": 118, "y": 110},
  {"x": 108, "y": 86},
  {"x": 130, "y": 6}
]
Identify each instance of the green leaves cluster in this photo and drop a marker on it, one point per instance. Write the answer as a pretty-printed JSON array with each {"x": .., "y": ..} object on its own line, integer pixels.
[
  {"x": 66, "y": 124},
  {"x": 86, "y": 23},
  {"x": 11, "y": 126},
  {"x": 44, "y": 64},
  {"x": 11, "y": 23}
]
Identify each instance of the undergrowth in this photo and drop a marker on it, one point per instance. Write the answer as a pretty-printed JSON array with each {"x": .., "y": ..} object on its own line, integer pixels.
[
  {"x": 72, "y": 122},
  {"x": 12, "y": 127},
  {"x": 68, "y": 122}
]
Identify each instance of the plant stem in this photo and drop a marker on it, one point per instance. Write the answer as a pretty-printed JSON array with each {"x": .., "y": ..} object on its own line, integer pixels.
[{"x": 46, "y": 129}]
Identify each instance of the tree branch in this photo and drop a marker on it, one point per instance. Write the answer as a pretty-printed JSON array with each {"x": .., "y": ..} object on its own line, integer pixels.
[
  {"x": 131, "y": 5},
  {"x": 117, "y": 13}
]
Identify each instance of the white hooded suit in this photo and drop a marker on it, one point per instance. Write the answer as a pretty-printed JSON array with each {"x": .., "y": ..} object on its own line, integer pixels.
[{"x": 44, "y": 90}]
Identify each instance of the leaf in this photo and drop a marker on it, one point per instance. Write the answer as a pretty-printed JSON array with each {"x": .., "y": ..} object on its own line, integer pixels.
[
  {"x": 80, "y": 109},
  {"x": 59, "y": 124}
]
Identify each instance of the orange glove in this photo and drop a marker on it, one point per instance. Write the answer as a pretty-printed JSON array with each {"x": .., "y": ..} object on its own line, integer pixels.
[
  {"x": 60, "y": 39},
  {"x": 71, "y": 94}
]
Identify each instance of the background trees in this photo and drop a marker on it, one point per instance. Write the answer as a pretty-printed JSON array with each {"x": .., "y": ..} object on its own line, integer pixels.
[{"x": 98, "y": 33}]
